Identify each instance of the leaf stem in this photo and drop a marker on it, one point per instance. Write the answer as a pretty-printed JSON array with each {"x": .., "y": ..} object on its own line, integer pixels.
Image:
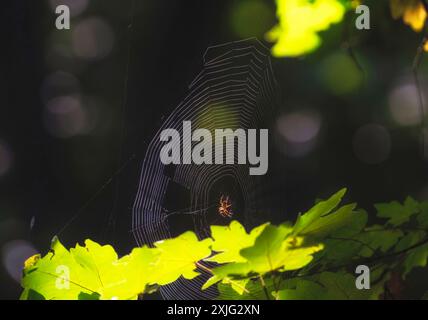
[
  {"x": 205, "y": 268},
  {"x": 201, "y": 266},
  {"x": 262, "y": 281}
]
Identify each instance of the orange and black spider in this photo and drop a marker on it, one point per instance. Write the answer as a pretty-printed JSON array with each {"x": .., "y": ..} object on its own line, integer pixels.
[{"x": 225, "y": 207}]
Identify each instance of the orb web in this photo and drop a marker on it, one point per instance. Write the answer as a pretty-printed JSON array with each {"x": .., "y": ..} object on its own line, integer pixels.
[{"x": 235, "y": 89}]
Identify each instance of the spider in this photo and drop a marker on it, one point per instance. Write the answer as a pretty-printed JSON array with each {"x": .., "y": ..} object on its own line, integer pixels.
[{"x": 225, "y": 207}]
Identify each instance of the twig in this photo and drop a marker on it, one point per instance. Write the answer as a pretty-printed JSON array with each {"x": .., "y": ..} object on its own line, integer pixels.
[
  {"x": 353, "y": 240},
  {"x": 367, "y": 261},
  {"x": 262, "y": 281}
]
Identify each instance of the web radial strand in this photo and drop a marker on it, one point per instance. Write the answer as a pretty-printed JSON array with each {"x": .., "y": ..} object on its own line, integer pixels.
[{"x": 235, "y": 89}]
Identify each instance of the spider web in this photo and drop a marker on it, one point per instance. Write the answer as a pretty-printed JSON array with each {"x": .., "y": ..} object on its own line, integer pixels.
[{"x": 235, "y": 89}]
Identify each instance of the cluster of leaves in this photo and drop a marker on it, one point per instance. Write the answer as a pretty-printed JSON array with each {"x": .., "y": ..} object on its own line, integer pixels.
[
  {"x": 411, "y": 11},
  {"x": 299, "y": 24},
  {"x": 301, "y": 21},
  {"x": 314, "y": 258}
]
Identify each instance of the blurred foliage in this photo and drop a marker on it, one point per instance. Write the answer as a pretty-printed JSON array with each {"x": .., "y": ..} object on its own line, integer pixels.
[
  {"x": 313, "y": 259},
  {"x": 301, "y": 21},
  {"x": 299, "y": 24},
  {"x": 411, "y": 11}
]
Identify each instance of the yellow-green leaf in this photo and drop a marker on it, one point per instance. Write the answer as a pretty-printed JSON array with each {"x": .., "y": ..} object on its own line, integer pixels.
[{"x": 230, "y": 240}]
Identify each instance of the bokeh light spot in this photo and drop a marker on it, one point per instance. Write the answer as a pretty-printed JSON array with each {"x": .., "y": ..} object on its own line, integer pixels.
[
  {"x": 65, "y": 117},
  {"x": 14, "y": 254},
  {"x": 340, "y": 74},
  {"x": 299, "y": 127},
  {"x": 251, "y": 18},
  {"x": 404, "y": 105},
  {"x": 92, "y": 39},
  {"x": 59, "y": 83},
  {"x": 298, "y": 132}
]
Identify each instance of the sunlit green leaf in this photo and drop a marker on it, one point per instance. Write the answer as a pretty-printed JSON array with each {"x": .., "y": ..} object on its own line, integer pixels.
[
  {"x": 273, "y": 250},
  {"x": 48, "y": 276},
  {"x": 309, "y": 221},
  {"x": 254, "y": 290},
  {"x": 141, "y": 267},
  {"x": 299, "y": 24},
  {"x": 229, "y": 240},
  {"x": 178, "y": 257}
]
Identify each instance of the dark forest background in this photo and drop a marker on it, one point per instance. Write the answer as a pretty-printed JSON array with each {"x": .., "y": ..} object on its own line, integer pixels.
[{"x": 56, "y": 164}]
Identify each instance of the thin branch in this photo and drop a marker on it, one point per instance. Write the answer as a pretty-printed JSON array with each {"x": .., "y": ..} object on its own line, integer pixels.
[
  {"x": 353, "y": 240},
  {"x": 367, "y": 261},
  {"x": 262, "y": 281}
]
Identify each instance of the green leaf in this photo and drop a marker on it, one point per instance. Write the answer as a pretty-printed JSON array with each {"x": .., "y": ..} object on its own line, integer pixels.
[
  {"x": 236, "y": 284},
  {"x": 331, "y": 223},
  {"x": 103, "y": 273},
  {"x": 325, "y": 286},
  {"x": 341, "y": 286},
  {"x": 308, "y": 222},
  {"x": 272, "y": 251},
  {"x": 254, "y": 291},
  {"x": 178, "y": 257},
  {"x": 30, "y": 294},
  {"x": 229, "y": 240},
  {"x": 48, "y": 276},
  {"x": 299, "y": 23},
  {"x": 378, "y": 238},
  {"x": 327, "y": 237},
  {"x": 301, "y": 289},
  {"x": 87, "y": 273},
  {"x": 343, "y": 244},
  {"x": 397, "y": 213},
  {"x": 422, "y": 217},
  {"x": 416, "y": 257},
  {"x": 141, "y": 269},
  {"x": 338, "y": 251}
]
